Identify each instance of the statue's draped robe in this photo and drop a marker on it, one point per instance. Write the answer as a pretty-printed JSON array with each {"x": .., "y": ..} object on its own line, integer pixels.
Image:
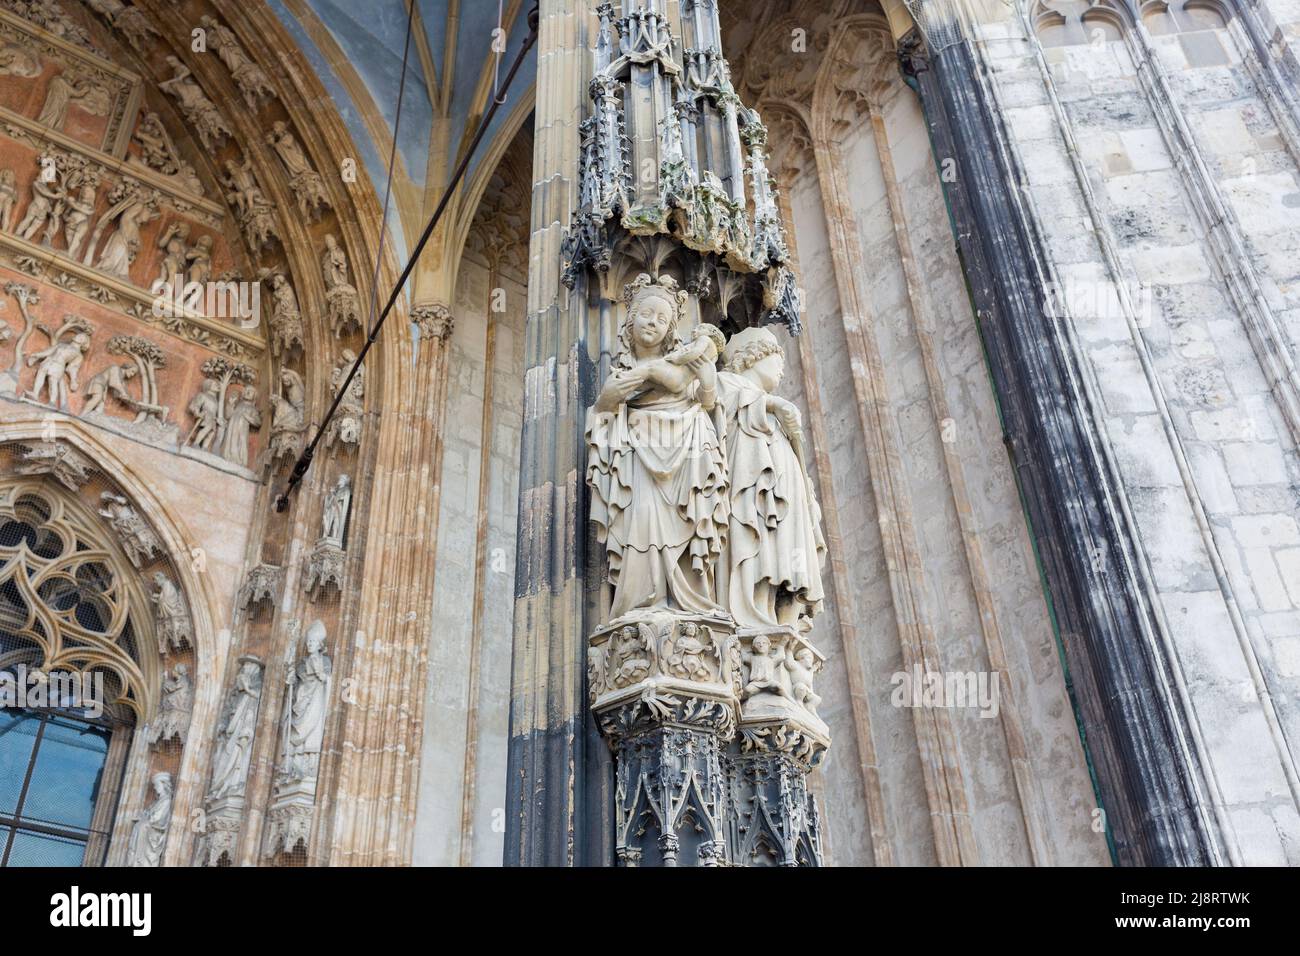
[
  {"x": 658, "y": 480},
  {"x": 772, "y": 571}
]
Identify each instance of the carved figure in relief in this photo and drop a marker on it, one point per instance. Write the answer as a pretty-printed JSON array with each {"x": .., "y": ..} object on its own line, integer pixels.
[
  {"x": 194, "y": 103},
  {"x": 334, "y": 516},
  {"x": 63, "y": 89},
  {"x": 800, "y": 667},
  {"x": 46, "y": 204},
  {"x": 248, "y": 76},
  {"x": 303, "y": 728},
  {"x": 234, "y": 747},
  {"x": 772, "y": 571},
  {"x": 241, "y": 417},
  {"x": 688, "y": 651},
  {"x": 173, "y": 719},
  {"x": 60, "y": 364},
  {"x": 171, "y": 617},
  {"x": 81, "y": 208},
  {"x": 765, "y": 668},
  {"x": 149, "y": 834},
  {"x": 345, "y": 429},
  {"x": 173, "y": 244},
  {"x": 655, "y": 464},
  {"x": 199, "y": 258},
  {"x": 629, "y": 659},
  {"x": 131, "y": 212},
  {"x": 340, "y": 296},
  {"x": 205, "y": 409},
  {"x": 138, "y": 539},
  {"x": 287, "y": 415},
  {"x": 8, "y": 199},
  {"x": 110, "y": 381}
]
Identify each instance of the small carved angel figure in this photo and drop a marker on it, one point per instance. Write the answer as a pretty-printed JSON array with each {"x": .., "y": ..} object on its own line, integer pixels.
[{"x": 801, "y": 679}]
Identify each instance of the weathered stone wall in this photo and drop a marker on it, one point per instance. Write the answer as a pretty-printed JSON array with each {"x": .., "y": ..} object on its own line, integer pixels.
[
  {"x": 1157, "y": 162},
  {"x": 455, "y": 823}
]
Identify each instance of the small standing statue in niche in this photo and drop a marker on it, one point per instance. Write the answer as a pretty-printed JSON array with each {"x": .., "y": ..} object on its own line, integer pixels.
[
  {"x": 345, "y": 429},
  {"x": 174, "y": 711},
  {"x": 241, "y": 417},
  {"x": 660, "y": 507},
  {"x": 303, "y": 727},
  {"x": 340, "y": 296},
  {"x": 288, "y": 416},
  {"x": 149, "y": 835},
  {"x": 171, "y": 617},
  {"x": 334, "y": 519},
  {"x": 234, "y": 748},
  {"x": 137, "y": 538},
  {"x": 772, "y": 571}
]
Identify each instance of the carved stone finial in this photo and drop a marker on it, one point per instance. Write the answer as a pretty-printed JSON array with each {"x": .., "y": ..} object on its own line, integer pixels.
[{"x": 261, "y": 585}]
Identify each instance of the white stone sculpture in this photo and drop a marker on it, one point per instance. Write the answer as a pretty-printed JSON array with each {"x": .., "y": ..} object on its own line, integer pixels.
[
  {"x": 171, "y": 616},
  {"x": 774, "y": 552},
  {"x": 59, "y": 365},
  {"x": 306, "y": 705},
  {"x": 173, "y": 718},
  {"x": 194, "y": 103},
  {"x": 307, "y": 185},
  {"x": 8, "y": 199},
  {"x": 345, "y": 428},
  {"x": 288, "y": 416},
  {"x": 285, "y": 320},
  {"x": 149, "y": 834},
  {"x": 234, "y": 746},
  {"x": 340, "y": 295},
  {"x": 242, "y": 416},
  {"x": 655, "y": 464},
  {"x": 248, "y": 76},
  {"x": 334, "y": 518},
  {"x": 136, "y": 537}
]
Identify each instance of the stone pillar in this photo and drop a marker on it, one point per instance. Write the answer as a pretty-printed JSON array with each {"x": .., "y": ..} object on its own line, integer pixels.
[
  {"x": 1135, "y": 730},
  {"x": 560, "y": 776},
  {"x": 712, "y": 727}
]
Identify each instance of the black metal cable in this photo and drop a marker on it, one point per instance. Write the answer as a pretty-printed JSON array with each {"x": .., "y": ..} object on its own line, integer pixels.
[{"x": 305, "y": 459}]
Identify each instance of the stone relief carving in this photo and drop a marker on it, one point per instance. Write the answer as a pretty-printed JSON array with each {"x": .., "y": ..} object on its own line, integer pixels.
[
  {"x": 211, "y": 414},
  {"x": 434, "y": 320},
  {"x": 288, "y": 416},
  {"x": 126, "y": 20},
  {"x": 200, "y": 111},
  {"x": 234, "y": 747},
  {"x": 50, "y": 16},
  {"x": 173, "y": 719},
  {"x": 306, "y": 704},
  {"x": 703, "y": 501},
  {"x": 146, "y": 359},
  {"x": 8, "y": 199},
  {"x": 137, "y": 538},
  {"x": 60, "y": 363},
  {"x": 305, "y": 182},
  {"x": 340, "y": 295},
  {"x": 61, "y": 462},
  {"x": 285, "y": 321},
  {"x": 158, "y": 152},
  {"x": 65, "y": 89},
  {"x": 302, "y": 733},
  {"x": 664, "y": 561},
  {"x": 171, "y": 616},
  {"x": 775, "y": 543},
  {"x": 326, "y": 562},
  {"x": 261, "y": 586},
  {"x": 242, "y": 416},
  {"x": 149, "y": 833},
  {"x": 132, "y": 207},
  {"x": 252, "y": 81},
  {"x": 256, "y": 213},
  {"x": 345, "y": 428}
]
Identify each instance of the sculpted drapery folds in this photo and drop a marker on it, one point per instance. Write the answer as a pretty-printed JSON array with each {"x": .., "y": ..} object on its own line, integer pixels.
[
  {"x": 700, "y": 492},
  {"x": 775, "y": 546},
  {"x": 655, "y": 463}
]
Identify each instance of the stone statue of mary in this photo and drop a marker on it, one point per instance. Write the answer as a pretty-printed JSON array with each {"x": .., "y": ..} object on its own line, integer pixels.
[
  {"x": 655, "y": 465},
  {"x": 771, "y": 574}
]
